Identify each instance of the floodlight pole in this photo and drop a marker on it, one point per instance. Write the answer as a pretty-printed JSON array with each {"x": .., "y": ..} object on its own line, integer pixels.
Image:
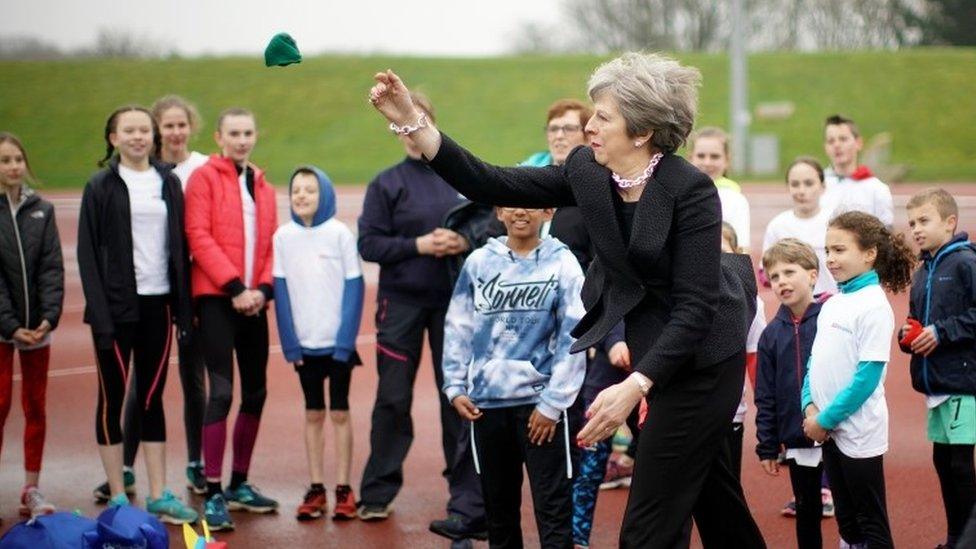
[{"x": 738, "y": 87}]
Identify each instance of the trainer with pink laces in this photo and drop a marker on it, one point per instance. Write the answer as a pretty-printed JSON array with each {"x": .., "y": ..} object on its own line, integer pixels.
[
  {"x": 318, "y": 291},
  {"x": 31, "y": 296}
]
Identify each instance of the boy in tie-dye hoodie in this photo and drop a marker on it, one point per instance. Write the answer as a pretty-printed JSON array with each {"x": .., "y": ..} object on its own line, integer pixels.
[{"x": 508, "y": 370}]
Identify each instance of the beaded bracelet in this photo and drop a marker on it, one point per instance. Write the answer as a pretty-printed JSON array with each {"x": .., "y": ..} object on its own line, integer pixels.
[{"x": 407, "y": 130}]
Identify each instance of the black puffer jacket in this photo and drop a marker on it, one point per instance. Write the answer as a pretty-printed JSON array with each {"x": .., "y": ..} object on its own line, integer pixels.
[{"x": 31, "y": 267}]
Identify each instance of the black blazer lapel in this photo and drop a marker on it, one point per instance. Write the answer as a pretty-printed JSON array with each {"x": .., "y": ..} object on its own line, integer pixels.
[{"x": 652, "y": 222}]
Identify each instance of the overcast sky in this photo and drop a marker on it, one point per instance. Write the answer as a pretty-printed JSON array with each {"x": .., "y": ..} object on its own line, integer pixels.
[{"x": 438, "y": 27}]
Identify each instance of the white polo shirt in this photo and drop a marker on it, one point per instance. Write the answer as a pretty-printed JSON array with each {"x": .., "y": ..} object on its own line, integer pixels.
[
  {"x": 813, "y": 231},
  {"x": 866, "y": 195},
  {"x": 851, "y": 328}
]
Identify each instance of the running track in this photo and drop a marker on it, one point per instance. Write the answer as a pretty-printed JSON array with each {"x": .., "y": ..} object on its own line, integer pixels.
[{"x": 72, "y": 467}]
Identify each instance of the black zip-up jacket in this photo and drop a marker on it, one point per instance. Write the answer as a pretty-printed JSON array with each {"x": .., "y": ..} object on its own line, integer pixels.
[
  {"x": 108, "y": 275},
  {"x": 403, "y": 202},
  {"x": 31, "y": 265},
  {"x": 784, "y": 349},
  {"x": 944, "y": 295}
]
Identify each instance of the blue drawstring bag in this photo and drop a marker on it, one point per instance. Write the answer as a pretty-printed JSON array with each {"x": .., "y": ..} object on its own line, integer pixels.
[
  {"x": 127, "y": 527},
  {"x": 55, "y": 531}
]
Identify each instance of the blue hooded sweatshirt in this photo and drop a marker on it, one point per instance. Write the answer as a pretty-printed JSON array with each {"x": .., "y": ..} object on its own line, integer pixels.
[
  {"x": 318, "y": 282},
  {"x": 506, "y": 335}
]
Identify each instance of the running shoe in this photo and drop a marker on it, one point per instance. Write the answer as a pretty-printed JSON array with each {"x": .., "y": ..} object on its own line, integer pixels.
[
  {"x": 170, "y": 509},
  {"x": 103, "y": 494},
  {"x": 313, "y": 506},
  {"x": 827, "y": 500},
  {"x": 247, "y": 498},
  {"x": 345, "y": 507},
  {"x": 120, "y": 500},
  {"x": 617, "y": 475},
  {"x": 789, "y": 510},
  {"x": 33, "y": 503},
  {"x": 455, "y": 527},
  {"x": 216, "y": 515},
  {"x": 370, "y": 512},
  {"x": 196, "y": 481}
]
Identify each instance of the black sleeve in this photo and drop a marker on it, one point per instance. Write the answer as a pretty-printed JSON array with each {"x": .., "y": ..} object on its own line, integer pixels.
[
  {"x": 961, "y": 328},
  {"x": 9, "y": 323},
  {"x": 89, "y": 241},
  {"x": 696, "y": 235},
  {"x": 50, "y": 276},
  {"x": 378, "y": 238},
  {"x": 501, "y": 186},
  {"x": 765, "y": 398}
]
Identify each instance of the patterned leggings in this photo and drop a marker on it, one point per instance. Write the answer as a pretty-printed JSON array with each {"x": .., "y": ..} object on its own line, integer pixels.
[{"x": 592, "y": 468}]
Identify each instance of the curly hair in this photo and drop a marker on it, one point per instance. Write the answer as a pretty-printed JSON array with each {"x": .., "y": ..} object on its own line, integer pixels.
[{"x": 895, "y": 260}]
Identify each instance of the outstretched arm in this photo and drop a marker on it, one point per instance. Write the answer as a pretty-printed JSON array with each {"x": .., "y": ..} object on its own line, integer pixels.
[{"x": 529, "y": 187}]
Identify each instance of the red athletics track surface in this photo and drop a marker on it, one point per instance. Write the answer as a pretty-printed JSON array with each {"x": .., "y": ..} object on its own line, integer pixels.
[{"x": 72, "y": 467}]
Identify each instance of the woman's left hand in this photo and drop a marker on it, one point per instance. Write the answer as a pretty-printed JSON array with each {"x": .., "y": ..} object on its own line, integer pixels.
[{"x": 609, "y": 411}]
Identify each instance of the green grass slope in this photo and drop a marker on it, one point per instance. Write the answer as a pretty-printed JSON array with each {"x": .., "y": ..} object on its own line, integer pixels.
[{"x": 316, "y": 112}]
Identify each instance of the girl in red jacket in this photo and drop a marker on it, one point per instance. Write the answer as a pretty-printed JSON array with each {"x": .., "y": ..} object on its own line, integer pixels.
[{"x": 230, "y": 220}]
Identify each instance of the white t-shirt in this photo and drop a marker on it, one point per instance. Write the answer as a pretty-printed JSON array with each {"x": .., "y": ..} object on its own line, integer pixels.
[
  {"x": 735, "y": 212},
  {"x": 316, "y": 262},
  {"x": 852, "y": 328},
  {"x": 813, "y": 231},
  {"x": 250, "y": 229},
  {"x": 867, "y": 195},
  {"x": 185, "y": 169},
  {"x": 752, "y": 346},
  {"x": 150, "y": 246}
]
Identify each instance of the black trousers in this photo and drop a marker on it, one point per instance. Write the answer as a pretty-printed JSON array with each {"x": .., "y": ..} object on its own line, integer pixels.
[
  {"x": 957, "y": 478},
  {"x": 684, "y": 465},
  {"x": 146, "y": 342},
  {"x": 858, "y": 486},
  {"x": 399, "y": 341},
  {"x": 736, "y": 434},
  {"x": 502, "y": 447},
  {"x": 192, "y": 372},
  {"x": 809, "y": 509}
]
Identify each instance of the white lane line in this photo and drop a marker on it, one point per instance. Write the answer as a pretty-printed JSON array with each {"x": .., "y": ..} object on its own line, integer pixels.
[{"x": 365, "y": 339}]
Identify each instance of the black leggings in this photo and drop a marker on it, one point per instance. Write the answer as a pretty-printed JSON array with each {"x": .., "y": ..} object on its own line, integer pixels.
[
  {"x": 809, "y": 507},
  {"x": 957, "y": 478},
  {"x": 146, "y": 343},
  {"x": 858, "y": 487},
  {"x": 223, "y": 331},
  {"x": 192, "y": 373}
]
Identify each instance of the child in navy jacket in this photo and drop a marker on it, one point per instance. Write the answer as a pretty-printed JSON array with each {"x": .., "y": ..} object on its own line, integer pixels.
[
  {"x": 943, "y": 347},
  {"x": 318, "y": 286},
  {"x": 784, "y": 348}
]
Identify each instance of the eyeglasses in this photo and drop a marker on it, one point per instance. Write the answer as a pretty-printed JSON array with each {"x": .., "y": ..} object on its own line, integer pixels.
[
  {"x": 566, "y": 129},
  {"x": 527, "y": 210}
]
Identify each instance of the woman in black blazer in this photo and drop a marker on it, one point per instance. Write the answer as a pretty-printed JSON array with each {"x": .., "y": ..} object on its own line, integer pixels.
[{"x": 655, "y": 224}]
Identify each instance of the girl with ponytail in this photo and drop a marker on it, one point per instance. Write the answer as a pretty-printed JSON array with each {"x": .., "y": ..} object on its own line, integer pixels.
[{"x": 843, "y": 393}]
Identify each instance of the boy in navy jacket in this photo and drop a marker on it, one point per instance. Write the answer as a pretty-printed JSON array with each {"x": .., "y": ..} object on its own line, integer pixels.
[
  {"x": 943, "y": 347},
  {"x": 784, "y": 349}
]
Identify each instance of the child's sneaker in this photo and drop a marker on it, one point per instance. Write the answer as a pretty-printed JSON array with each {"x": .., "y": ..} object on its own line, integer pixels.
[
  {"x": 103, "y": 494},
  {"x": 170, "y": 509},
  {"x": 789, "y": 510},
  {"x": 827, "y": 500},
  {"x": 313, "y": 506},
  {"x": 120, "y": 500},
  {"x": 216, "y": 515},
  {"x": 196, "y": 481},
  {"x": 247, "y": 498},
  {"x": 345, "y": 507},
  {"x": 617, "y": 476},
  {"x": 33, "y": 504}
]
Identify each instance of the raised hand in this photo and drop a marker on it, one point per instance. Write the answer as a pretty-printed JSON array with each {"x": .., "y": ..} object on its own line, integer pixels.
[{"x": 391, "y": 97}]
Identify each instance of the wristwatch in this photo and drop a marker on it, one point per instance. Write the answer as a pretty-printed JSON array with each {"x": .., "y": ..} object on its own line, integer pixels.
[{"x": 642, "y": 382}]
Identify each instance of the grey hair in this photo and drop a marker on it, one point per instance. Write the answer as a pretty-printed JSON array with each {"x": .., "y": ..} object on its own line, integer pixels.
[{"x": 654, "y": 93}]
